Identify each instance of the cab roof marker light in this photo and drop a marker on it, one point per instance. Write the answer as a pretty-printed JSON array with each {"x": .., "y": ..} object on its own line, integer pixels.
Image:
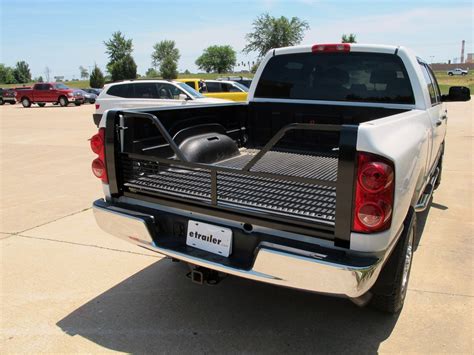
[{"x": 331, "y": 48}]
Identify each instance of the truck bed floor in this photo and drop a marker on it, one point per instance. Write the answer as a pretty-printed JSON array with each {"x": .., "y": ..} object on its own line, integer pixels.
[{"x": 278, "y": 196}]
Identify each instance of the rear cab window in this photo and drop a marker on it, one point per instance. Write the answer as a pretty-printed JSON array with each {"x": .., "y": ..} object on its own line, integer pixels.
[
  {"x": 42, "y": 87},
  {"x": 355, "y": 77}
]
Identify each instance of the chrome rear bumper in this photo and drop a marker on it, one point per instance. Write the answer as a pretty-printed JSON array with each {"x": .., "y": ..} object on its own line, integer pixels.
[{"x": 274, "y": 264}]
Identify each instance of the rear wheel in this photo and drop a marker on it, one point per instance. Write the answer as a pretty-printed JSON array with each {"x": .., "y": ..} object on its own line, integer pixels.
[
  {"x": 1, "y": 101},
  {"x": 77, "y": 103},
  {"x": 41, "y": 104},
  {"x": 63, "y": 101},
  {"x": 450, "y": 74},
  {"x": 391, "y": 288},
  {"x": 26, "y": 102}
]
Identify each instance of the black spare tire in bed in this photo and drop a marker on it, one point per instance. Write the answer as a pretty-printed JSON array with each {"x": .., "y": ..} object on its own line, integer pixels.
[{"x": 208, "y": 148}]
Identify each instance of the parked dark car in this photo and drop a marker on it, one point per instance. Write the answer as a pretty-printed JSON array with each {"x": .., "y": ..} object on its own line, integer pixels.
[
  {"x": 93, "y": 91},
  {"x": 239, "y": 79},
  {"x": 7, "y": 95},
  {"x": 88, "y": 96}
]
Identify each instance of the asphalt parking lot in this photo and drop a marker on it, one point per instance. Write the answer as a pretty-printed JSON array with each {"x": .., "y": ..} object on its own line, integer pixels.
[{"x": 68, "y": 287}]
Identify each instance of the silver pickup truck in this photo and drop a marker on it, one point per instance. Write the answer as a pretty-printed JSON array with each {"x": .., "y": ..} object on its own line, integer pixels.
[{"x": 314, "y": 183}]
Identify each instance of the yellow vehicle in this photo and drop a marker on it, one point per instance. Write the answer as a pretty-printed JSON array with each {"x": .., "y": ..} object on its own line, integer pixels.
[{"x": 221, "y": 89}]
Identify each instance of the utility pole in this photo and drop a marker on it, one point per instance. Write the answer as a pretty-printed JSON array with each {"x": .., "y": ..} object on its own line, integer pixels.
[
  {"x": 47, "y": 73},
  {"x": 463, "y": 43}
]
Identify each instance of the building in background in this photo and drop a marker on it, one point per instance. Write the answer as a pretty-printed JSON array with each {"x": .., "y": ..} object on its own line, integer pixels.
[{"x": 470, "y": 58}]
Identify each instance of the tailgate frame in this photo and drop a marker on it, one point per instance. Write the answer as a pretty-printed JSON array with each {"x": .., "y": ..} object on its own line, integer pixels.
[{"x": 346, "y": 170}]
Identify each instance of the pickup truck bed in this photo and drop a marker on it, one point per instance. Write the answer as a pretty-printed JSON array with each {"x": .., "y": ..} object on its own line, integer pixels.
[{"x": 293, "y": 165}]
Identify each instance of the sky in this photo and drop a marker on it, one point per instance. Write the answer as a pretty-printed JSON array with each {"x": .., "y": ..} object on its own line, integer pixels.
[{"x": 64, "y": 35}]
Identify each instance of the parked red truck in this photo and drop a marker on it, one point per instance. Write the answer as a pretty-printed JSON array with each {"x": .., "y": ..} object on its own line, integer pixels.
[{"x": 56, "y": 93}]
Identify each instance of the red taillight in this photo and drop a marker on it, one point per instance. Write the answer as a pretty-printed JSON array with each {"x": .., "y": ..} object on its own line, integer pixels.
[
  {"x": 98, "y": 168},
  {"x": 98, "y": 147},
  {"x": 97, "y": 106},
  {"x": 373, "y": 193},
  {"x": 97, "y": 141},
  {"x": 375, "y": 176},
  {"x": 331, "y": 48}
]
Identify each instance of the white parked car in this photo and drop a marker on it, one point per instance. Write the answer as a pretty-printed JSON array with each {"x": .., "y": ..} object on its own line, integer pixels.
[
  {"x": 458, "y": 71},
  {"x": 147, "y": 93}
]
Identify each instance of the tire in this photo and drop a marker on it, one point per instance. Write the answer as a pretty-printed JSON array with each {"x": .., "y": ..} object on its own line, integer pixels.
[
  {"x": 63, "y": 101},
  {"x": 12, "y": 102},
  {"x": 26, "y": 102},
  {"x": 1, "y": 101},
  {"x": 389, "y": 292},
  {"x": 463, "y": 74},
  {"x": 41, "y": 104},
  {"x": 77, "y": 103},
  {"x": 450, "y": 74}
]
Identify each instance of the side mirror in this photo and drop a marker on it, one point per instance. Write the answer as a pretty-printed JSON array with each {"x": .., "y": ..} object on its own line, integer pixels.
[
  {"x": 457, "y": 93},
  {"x": 183, "y": 97}
]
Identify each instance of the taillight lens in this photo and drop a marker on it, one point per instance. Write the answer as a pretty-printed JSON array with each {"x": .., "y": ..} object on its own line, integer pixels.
[
  {"x": 97, "y": 143},
  {"x": 374, "y": 189},
  {"x": 97, "y": 106},
  {"x": 331, "y": 48},
  {"x": 375, "y": 176},
  {"x": 98, "y": 168}
]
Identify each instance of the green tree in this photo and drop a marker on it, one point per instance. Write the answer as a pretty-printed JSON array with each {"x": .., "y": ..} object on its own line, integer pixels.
[
  {"x": 169, "y": 69},
  {"x": 96, "y": 80},
  {"x": 152, "y": 73},
  {"x": 271, "y": 32},
  {"x": 22, "y": 72},
  {"x": 165, "y": 56},
  {"x": 217, "y": 58},
  {"x": 6, "y": 75},
  {"x": 39, "y": 79},
  {"x": 124, "y": 69},
  {"x": 350, "y": 38},
  {"x": 117, "y": 48},
  {"x": 84, "y": 72}
]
